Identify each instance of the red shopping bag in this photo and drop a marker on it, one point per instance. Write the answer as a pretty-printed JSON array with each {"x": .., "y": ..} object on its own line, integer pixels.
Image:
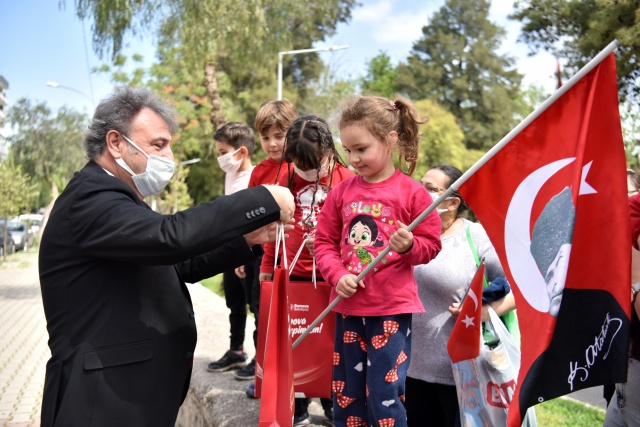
[
  {"x": 276, "y": 408},
  {"x": 313, "y": 358}
]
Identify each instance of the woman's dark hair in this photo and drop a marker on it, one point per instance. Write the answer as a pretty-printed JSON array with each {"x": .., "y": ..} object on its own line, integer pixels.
[
  {"x": 634, "y": 177},
  {"x": 453, "y": 173}
]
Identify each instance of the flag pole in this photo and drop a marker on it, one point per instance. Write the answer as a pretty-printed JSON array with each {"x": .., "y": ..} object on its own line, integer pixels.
[{"x": 473, "y": 169}]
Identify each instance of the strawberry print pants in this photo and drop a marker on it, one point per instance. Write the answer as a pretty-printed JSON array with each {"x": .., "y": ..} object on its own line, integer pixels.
[{"x": 370, "y": 364}]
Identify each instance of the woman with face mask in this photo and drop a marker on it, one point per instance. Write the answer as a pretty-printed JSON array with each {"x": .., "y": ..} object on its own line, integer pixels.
[{"x": 430, "y": 388}]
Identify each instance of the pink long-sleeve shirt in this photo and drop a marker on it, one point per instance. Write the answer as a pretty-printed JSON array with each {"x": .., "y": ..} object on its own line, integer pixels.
[{"x": 355, "y": 226}]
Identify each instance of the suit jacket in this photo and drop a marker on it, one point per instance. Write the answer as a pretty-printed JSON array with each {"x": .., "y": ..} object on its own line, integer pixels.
[{"x": 120, "y": 319}]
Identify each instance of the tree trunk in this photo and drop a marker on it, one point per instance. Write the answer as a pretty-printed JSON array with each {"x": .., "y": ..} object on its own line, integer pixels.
[
  {"x": 216, "y": 115},
  {"x": 45, "y": 217}
]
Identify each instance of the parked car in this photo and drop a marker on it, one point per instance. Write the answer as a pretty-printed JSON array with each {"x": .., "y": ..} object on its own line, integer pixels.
[
  {"x": 18, "y": 232},
  {"x": 11, "y": 246},
  {"x": 32, "y": 220}
]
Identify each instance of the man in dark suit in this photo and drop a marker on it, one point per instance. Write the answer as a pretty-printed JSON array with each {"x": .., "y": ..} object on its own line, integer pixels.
[{"x": 113, "y": 272}]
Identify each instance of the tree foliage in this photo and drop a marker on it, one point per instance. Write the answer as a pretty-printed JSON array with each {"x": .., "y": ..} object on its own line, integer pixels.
[
  {"x": 47, "y": 146},
  {"x": 442, "y": 140},
  {"x": 241, "y": 38},
  {"x": 17, "y": 192},
  {"x": 577, "y": 30},
  {"x": 381, "y": 77},
  {"x": 456, "y": 63}
]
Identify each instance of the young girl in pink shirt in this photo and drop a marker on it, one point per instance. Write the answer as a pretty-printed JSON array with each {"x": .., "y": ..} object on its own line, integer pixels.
[
  {"x": 361, "y": 217},
  {"x": 315, "y": 168}
]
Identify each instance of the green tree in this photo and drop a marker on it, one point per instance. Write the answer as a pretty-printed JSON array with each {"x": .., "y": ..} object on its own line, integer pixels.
[
  {"x": 456, "y": 63},
  {"x": 325, "y": 94},
  {"x": 48, "y": 147},
  {"x": 218, "y": 33},
  {"x": 17, "y": 191},
  {"x": 381, "y": 77},
  {"x": 577, "y": 30},
  {"x": 442, "y": 140}
]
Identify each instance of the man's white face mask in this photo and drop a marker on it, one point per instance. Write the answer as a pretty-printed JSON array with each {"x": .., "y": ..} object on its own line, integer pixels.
[{"x": 156, "y": 176}]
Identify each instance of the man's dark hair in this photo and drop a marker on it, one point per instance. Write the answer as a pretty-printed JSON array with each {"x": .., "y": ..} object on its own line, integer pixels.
[{"x": 117, "y": 111}]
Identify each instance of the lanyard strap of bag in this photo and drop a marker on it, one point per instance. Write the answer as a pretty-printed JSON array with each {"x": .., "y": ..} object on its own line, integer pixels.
[
  {"x": 475, "y": 254},
  {"x": 295, "y": 259},
  {"x": 280, "y": 241}
]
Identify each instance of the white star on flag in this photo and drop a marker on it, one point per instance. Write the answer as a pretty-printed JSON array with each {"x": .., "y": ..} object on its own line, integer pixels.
[{"x": 468, "y": 321}]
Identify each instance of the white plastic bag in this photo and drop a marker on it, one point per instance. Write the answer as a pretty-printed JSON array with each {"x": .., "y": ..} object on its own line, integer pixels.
[{"x": 486, "y": 384}]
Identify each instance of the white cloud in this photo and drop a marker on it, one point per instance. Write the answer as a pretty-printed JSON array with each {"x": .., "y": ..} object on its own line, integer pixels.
[{"x": 387, "y": 24}]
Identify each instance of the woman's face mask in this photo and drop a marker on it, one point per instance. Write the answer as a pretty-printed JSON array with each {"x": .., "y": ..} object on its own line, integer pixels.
[
  {"x": 435, "y": 196},
  {"x": 156, "y": 176},
  {"x": 228, "y": 163}
]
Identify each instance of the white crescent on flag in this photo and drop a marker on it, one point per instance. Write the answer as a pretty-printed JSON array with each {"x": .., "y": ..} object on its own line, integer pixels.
[{"x": 517, "y": 232}]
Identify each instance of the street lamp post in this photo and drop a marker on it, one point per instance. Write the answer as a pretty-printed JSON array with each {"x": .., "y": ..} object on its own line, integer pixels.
[
  {"x": 294, "y": 52},
  {"x": 58, "y": 85}
]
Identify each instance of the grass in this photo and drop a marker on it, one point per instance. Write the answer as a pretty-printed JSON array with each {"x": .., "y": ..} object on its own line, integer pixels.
[
  {"x": 19, "y": 259},
  {"x": 565, "y": 412},
  {"x": 214, "y": 284}
]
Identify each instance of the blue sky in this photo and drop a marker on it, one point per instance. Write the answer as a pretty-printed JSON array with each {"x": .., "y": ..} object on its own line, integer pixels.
[{"x": 41, "y": 43}]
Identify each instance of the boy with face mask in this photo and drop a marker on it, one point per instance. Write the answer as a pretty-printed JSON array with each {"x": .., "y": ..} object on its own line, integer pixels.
[{"x": 234, "y": 143}]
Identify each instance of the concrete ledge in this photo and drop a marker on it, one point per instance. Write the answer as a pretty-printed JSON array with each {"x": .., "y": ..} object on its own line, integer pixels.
[{"x": 218, "y": 399}]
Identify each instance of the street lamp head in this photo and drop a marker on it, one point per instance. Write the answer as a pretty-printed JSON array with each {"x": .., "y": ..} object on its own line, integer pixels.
[
  {"x": 332, "y": 48},
  {"x": 58, "y": 85},
  {"x": 295, "y": 52},
  {"x": 190, "y": 161}
]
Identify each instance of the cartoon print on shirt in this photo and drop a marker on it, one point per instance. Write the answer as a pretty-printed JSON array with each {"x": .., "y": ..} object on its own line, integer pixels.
[
  {"x": 363, "y": 232},
  {"x": 309, "y": 204}
]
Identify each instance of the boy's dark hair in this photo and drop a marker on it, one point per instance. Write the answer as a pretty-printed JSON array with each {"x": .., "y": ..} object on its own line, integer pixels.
[
  {"x": 236, "y": 135},
  {"x": 275, "y": 113}
]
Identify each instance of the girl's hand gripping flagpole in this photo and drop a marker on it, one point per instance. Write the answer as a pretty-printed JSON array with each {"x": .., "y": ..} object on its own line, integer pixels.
[{"x": 484, "y": 159}]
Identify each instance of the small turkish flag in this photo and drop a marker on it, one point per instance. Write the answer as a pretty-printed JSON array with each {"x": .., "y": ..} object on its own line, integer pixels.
[{"x": 464, "y": 341}]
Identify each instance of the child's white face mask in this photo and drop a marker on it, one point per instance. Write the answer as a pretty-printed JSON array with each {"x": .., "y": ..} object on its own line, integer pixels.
[
  {"x": 311, "y": 175},
  {"x": 228, "y": 163}
]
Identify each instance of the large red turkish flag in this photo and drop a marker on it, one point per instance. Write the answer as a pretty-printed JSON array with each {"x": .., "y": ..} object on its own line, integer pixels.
[
  {"x": 464, "y": 341},
  {"x": 554, "y": 204}
]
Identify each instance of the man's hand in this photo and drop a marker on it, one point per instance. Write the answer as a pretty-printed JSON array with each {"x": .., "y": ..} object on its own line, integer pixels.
[
  {"x": 266, "y": 234},
  {"x": 284, "y": 199},
  {"x": 240, "y": 272},
  {"x": 347, "y": 287},
  {"x": 265, "y": 277},
  {"x": 401, "y": 240}
]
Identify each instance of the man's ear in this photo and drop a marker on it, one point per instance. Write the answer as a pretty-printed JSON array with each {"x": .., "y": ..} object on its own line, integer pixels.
[{"x": 115, "y": 143}]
